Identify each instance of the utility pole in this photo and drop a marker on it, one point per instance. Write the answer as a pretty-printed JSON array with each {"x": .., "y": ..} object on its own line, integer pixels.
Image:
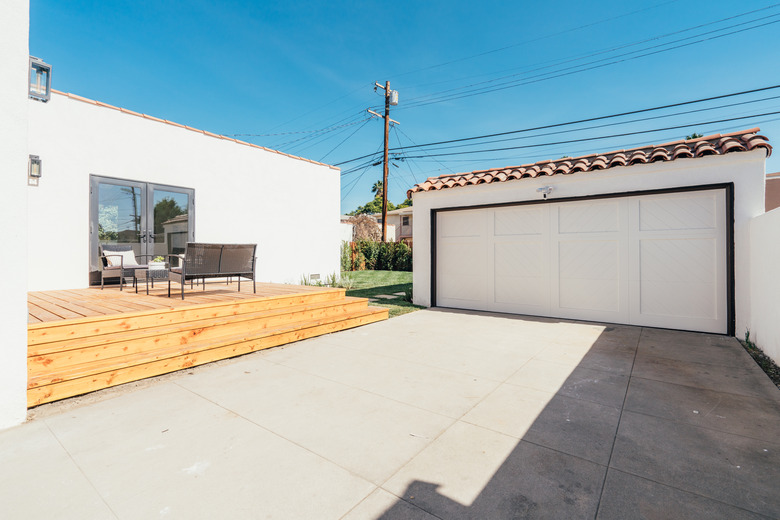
[{"x": 391, "y": 98}]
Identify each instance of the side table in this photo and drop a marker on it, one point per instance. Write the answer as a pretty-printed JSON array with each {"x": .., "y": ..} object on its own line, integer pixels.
[{"x": 151, "y": 274}]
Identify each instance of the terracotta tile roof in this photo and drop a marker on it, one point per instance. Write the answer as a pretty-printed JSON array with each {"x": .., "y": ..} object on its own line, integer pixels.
[
  {"x": 209, "y": 134},
  {"x": 717, "y": 144}
]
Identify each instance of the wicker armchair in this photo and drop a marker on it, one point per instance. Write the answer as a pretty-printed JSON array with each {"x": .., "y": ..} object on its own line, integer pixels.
[{"x": 118, "y": 261}]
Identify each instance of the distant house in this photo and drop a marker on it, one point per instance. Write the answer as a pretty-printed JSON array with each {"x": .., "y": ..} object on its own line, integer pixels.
[
  {"x": 401, "y": 221},
  {"x": 772, "y": 194}
]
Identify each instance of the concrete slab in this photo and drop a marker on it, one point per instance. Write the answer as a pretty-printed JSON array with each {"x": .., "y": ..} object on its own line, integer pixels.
[
  {"x": 165, "y": 452},
  {"x": 734, "y": 469},
  {"x": 343, "y": 424},
  {"x": 493, "y": 476},
  {"x": 39, "y": 479},
  {"x": 629, "y": 496},
  {"x": 384, "y": 505},
  {"x": 440, "y": 391},
  {"x": 741, "y": 381},
  {"x": 730, "y": 413},
  {"x": 434, "y": 414}
]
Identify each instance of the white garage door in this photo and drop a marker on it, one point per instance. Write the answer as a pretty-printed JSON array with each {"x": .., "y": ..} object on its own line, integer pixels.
[{"x": 656, "y": 260}]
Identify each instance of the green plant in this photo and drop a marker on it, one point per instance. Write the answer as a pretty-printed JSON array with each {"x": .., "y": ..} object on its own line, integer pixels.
[
  {"x": 306, "y": 280},
  {"x": 158, "y": 258},
  {"x": 346, "y": 281},
  {"x": 346, "y": 253},
  {"x": 409, "y": 294}
]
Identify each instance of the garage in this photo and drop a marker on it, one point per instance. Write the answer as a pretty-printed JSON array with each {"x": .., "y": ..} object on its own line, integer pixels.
[
  {"x": 655, "y": 236},
  {"x": 657, "y": 260}
]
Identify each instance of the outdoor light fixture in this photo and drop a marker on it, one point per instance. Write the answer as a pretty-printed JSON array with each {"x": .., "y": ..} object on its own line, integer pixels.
[
  {"x": 34, "y": 170},
  {"x": 545, "y": 190},
  {"x": 40, "y": 79}
]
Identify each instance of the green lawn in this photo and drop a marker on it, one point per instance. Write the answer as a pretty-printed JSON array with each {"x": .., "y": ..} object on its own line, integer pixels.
[{"x": 368, "y": 284}]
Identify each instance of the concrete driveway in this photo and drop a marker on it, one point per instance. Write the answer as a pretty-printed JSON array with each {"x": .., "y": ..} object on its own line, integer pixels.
[{"x": 436, "y": 414}]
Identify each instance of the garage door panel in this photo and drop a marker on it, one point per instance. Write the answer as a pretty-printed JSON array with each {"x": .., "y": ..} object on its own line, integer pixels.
[
  {"x": 653, "y": 260},
  {"x": 682, "y": 211},
  {"x": 519, "y": 221},
  {"x": 461, "y": 224},
  {"x": 678, "y": 260},
  {"x": 589, "y": 275},
  {"x": 590, "y": 217},
  {"x": 461, "y": 266},
  {"x": 521, "y": 274},
  {"x": 679, "y": 300}
]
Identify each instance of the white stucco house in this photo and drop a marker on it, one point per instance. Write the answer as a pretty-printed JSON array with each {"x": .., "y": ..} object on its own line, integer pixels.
[
  {"x": 657, "y": 236},
  {"x": 77, "y": 172}
]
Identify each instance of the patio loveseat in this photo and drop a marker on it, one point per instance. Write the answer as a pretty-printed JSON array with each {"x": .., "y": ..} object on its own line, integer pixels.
[{"x": 201, "y": 261}]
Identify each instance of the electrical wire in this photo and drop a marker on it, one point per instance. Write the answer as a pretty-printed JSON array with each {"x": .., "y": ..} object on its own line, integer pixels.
[
  {"x": 579, "y": 121},
  {"x": 587, "y": 67},
  {"x": 585, "y": 139},
  {"x": 345, "y": 139},
  {"x": 562, "y": 61}
]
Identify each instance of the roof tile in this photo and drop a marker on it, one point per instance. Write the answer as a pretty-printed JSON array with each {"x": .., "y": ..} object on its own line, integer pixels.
[{"x": 717, "y": 144}]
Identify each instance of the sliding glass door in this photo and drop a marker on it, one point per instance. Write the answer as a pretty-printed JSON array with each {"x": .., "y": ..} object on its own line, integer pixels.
[{"x": 153, "y": 219}]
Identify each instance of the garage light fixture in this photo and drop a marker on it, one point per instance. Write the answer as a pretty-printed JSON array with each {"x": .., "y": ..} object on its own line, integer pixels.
[{"x": 545, "y": 190}]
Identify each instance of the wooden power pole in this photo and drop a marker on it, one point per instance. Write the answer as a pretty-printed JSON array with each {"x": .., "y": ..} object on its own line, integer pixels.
[{"x": 388, "y": 95}]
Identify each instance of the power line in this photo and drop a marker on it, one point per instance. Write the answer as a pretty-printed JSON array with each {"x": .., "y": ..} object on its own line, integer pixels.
[
  {"x": 594, "y": 127},
  {"x": 584, "y": 139},
  {"x": 345, "y": 139},
  {"x": 578, "y": 121},
  {"x": 298, "y": 132},
  {"x": 561, "y": 73},
  {"x": 604, "y": 51},
  {"x": 547, "y": 36}
]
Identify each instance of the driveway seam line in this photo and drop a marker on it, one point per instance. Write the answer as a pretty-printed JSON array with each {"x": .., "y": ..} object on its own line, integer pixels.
[
  {"x": 265, "y": 428},
  {"x": 81, "y": 470},
  {"x": 620, "y": 420}
]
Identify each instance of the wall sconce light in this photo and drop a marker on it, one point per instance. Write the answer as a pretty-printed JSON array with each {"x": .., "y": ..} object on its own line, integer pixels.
[
  {"x": 40, "y": 79},
  {"x": 34, "y": 170}
]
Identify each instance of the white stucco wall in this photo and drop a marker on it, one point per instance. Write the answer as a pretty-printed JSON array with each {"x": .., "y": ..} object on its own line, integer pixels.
[
  {"x": 765, "y": 283},
  {"x": 14, "y": 56},
  {"x": 346, "y": 230},
  {"x": 289, "y": 207},
  {"x": 745, "y": 170}
]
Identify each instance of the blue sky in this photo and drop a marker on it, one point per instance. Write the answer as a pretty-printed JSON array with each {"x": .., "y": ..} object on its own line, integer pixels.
[{"x": 292, "y": 68}]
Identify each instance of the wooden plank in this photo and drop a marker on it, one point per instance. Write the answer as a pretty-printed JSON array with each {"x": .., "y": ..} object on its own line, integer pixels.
[
  {"x": 63, "y": 330},
  {"x": 71, "y": 309},
  {"x": 119, "y": 348},
  {"x": 61, "y": 390},
  {"x": 41, "y": 313}
]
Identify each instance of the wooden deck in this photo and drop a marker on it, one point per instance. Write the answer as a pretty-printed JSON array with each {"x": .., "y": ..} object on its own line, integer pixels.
[{"x": 84, "y": 340}]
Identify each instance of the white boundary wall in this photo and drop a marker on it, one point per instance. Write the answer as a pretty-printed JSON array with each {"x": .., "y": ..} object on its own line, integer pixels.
[
  {"x": 288, "y": 206},
  {"x": 765, "y": 283},
  {"x": 14, "y": 56},
  {"x": 744, "y": 169}
]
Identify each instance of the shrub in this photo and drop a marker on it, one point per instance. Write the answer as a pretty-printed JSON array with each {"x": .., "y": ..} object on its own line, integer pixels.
[
  {"x": 346, "y": 256},
  {"x": 380, "y": 256}
]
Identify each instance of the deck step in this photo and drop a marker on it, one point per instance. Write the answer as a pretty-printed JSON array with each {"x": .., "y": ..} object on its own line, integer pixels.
[
  {"x": 183, "y": 332},
  {"x": 122, "y": 357},
  {"x": 48, "y": 332}
]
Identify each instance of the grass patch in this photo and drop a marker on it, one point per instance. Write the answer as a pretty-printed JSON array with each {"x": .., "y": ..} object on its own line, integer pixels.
[
  {"x": 765, "y": 362},
  {"x": 368, "y": 284}
]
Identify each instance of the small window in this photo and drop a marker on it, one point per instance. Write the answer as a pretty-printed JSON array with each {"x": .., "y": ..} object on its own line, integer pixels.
[{"x": 404, "y": 221}]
